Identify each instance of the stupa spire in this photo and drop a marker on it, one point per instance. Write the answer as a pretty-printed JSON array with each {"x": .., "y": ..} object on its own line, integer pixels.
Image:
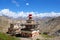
[{"x": 30, "y": 16}]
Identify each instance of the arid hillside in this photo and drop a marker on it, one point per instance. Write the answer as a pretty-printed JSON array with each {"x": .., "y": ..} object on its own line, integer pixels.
[
  {"x": 5, "y": 23},
  {"x": 48, "y": 24},
  {"x": 51, "y": 25}
]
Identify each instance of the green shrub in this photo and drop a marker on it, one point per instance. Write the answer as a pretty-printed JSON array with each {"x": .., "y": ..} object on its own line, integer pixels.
[
  {"x": 4, "y": 36},
  {"x": 37, "y": 39}
]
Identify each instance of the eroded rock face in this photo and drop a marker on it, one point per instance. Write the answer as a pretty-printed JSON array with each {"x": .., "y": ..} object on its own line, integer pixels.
[
  {"x": 57, "y": 33},
  {"x": 51, "y": 25}
]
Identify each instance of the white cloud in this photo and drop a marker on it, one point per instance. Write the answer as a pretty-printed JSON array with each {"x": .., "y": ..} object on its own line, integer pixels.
[
  {"x": 51, "y": 14},
  {"x": 10, "y": 13},
  {"x": 7, "y": 12},
  {"x": 27, "y": 3},
  {"x": 16, "y": 3}
]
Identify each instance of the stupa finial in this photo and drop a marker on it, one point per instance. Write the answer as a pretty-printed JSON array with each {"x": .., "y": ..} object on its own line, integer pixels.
[{"x": 30, "y": 16}]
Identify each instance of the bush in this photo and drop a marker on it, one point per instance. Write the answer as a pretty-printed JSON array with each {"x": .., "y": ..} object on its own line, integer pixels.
[
  {"x": 4, "y": 36},
  {"x": 37, "y": 39}
]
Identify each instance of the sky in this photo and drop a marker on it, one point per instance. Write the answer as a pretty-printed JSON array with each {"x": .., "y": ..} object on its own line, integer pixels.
[{"x": 21, "y": 8}]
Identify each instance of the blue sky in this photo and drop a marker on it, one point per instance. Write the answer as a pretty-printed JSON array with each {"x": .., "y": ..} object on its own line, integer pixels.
[{"x": 39, "y": 7}]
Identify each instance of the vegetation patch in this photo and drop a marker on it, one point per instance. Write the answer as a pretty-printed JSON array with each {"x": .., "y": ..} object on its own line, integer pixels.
[
  {"x": 37, "y": 39},
  {"x": 46, "y": 36},
  {"x": 4, "y": 36}
]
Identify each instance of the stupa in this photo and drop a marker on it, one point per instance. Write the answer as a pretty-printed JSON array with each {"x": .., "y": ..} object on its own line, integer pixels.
[{"x": 30, "y": 29}]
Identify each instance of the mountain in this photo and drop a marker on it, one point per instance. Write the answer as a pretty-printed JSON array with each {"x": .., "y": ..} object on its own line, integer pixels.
[
  {"x": 5, "y": 22},
  {"x": 50, "y": 25},
  {"x": 46, "y": 24}
]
